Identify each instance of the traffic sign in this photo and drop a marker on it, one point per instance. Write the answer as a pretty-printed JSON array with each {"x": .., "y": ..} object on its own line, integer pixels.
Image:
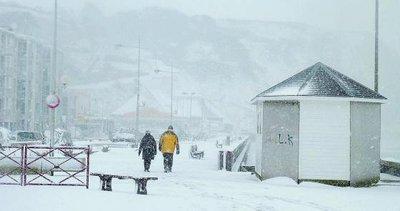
[{"x": 52, "y": 101}]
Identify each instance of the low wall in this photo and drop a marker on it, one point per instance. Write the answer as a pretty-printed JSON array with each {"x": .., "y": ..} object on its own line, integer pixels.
[{"x": 390, "y": 167}]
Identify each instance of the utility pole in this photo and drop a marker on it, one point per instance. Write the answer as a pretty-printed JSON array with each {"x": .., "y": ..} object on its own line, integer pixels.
[
  {"x": 137, "y": 119},
  {"x": 172, "y": 92},
  {"x": 138, "y": 89},
  {"x": 190, "y": 114},
  {"x": 190, "y": 94},
  {"x": 172, "y": 89},
  {"x": 190, "y": 108},
  {"x": 376, "y": 78},
  {"x": 54, "y": 77}
]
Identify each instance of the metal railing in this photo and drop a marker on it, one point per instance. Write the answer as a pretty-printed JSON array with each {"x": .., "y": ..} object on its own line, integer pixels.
[
  {"x": 390, "y": 167},
  {"x": 231, "y": 160},
  {"x": 41, "y": 165},
  {"x": 12, "y": 168}
]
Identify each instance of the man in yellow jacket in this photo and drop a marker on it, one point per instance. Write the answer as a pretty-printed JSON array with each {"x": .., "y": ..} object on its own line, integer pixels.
[{"x": 167, "y": 145}]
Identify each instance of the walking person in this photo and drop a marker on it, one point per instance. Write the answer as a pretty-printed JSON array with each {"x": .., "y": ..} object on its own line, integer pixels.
[
  {"x": 148, "y": 148},
  {"x": 167, "y": 145}
]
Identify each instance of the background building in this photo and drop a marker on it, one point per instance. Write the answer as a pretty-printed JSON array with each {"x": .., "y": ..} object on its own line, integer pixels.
[
  {"x": 8, "y": 79},
  {"x": 24, "y": 82}
]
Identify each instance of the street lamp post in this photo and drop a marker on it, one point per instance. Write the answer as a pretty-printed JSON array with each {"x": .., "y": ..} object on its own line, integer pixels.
[
  {"x": 138, "y": 89},
  {"x": 172, "y": 89},
  {"x": 138, "y": 81},
  {"x": 376, "y": 79},
  {"x": 191, "y": 94},
  {"x": 54, "y": 77},
  {"x": 172, "y": 93},
  {"x": 190, "y": 109}
]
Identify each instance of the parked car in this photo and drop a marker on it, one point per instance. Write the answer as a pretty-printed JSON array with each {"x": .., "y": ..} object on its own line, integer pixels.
[
  {"x": 123, "y": 137},
  {"x": 27, "y": 138},
  {"x": 132, "y": 137}
]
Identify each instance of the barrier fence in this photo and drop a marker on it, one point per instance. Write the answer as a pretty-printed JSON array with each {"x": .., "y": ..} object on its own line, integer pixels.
[
  {"x": 11, "y": 172},
  {"x": 41, "y": 165},
  {"x": 390, "y": 167},
  {"x": 231, "y": 160}
]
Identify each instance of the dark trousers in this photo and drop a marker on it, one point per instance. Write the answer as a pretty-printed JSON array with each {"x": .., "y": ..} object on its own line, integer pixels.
[
  {"x": 168, "y": 160},
  {"x": 147, "y": 163}
]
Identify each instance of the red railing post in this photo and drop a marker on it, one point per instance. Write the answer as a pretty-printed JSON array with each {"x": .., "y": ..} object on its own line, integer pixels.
[
  {"x": 8, "y": 156},
  {"x": 87, "y": 166},
  {"x": 24, "y": 153},
  {"x": 24, "y": 166},
  {"x": 229, "y": 160},
  {"x": 221, "y": 160}
]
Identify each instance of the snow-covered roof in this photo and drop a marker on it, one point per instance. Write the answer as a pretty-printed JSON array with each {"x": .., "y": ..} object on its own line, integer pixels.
[{"x": 320, "y": 80}]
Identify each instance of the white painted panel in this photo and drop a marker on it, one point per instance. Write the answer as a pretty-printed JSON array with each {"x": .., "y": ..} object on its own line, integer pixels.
[
  {"x": 324, "y": 150},
  {"x": 258, "y": 150},
  {"x": 258, "y": 141}
]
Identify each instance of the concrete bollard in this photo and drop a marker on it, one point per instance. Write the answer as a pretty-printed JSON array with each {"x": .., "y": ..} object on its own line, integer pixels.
[
  {"x": 229, "y": 160},
  {"x": 220, "y": 160}
]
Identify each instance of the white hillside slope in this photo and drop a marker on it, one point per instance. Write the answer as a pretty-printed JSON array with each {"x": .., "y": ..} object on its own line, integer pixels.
[{"x": 230, "y": 61}]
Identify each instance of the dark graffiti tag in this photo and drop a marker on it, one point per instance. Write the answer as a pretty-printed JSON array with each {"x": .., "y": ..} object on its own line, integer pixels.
[{"x": 284, "y": 140}]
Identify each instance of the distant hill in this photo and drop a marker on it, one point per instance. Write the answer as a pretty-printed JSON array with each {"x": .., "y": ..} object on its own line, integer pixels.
[{"x": 227, "y": 60}]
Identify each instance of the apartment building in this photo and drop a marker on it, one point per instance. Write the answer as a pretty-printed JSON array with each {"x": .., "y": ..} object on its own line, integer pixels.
[{"x": 25, "y": 68}]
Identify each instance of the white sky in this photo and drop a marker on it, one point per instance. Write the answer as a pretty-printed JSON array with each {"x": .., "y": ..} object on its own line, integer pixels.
[
  {"x": 355, "y": 15},
  {"x": 344, "y": 14}
]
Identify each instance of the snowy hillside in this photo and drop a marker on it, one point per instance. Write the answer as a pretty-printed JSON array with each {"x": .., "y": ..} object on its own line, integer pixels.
[{"x": 228, "y": 61}]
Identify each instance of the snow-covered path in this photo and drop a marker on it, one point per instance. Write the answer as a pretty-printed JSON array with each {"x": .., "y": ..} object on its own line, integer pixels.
[{"x": 194, "y": 185}]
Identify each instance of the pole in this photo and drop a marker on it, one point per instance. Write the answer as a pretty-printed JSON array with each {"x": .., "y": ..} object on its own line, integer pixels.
[
  {"x": 172, "y": 91},
  {"x": 190, "y": 115},
  {"x": 87, "y": 166},
  {"x": 190, "y": 109},
  {"x": 376, "y": 85},
  {"x": 138, "y": 89},
  {"x": 54, "y": 77}
]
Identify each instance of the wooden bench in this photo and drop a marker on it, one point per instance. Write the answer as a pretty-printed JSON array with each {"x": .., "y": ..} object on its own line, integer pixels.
[
  {"x": 106, "y": 179},
  {"x": 194, "y": 153}
]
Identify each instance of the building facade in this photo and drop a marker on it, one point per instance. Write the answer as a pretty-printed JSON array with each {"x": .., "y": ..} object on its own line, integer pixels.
[
  {"x": 8, "y": 79},
  {"x": 25, "y": 68}
]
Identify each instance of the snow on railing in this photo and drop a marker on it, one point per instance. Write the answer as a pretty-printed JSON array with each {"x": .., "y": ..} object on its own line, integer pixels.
[
  {"x": 390, "y": 167},
  {"x": 239, "y": 154},
  {"x": 232, "y": 157}
]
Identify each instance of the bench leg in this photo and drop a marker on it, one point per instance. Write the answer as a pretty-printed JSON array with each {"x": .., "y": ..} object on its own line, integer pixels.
[
  {"x": 106, "y": 183},
  {"x": 141, "y": 186}
]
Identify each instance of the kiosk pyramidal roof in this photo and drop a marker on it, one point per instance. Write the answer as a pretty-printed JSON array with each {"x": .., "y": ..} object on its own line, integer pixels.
[{"x": 322, "y": 81}]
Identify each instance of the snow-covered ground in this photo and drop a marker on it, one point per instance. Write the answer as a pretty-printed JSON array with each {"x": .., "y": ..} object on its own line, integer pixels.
[{"x": 194, "y": 185}]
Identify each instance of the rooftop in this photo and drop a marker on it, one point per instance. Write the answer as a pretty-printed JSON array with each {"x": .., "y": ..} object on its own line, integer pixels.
[{"x": 322, "y": 81}]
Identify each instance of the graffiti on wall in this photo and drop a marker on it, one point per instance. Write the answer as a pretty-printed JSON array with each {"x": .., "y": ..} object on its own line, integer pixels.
[
  {"x": 282, "y": 139},
  {"x": 285, "y": 139},
  {"x": 280, "y": 136}
]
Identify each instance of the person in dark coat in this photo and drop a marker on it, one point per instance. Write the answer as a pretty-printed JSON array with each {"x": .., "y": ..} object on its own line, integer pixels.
[{"x": 148, "y": 148}]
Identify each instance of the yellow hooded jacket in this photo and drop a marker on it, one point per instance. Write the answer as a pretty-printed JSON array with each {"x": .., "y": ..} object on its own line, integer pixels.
[{"x": 168, "y": 142}]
